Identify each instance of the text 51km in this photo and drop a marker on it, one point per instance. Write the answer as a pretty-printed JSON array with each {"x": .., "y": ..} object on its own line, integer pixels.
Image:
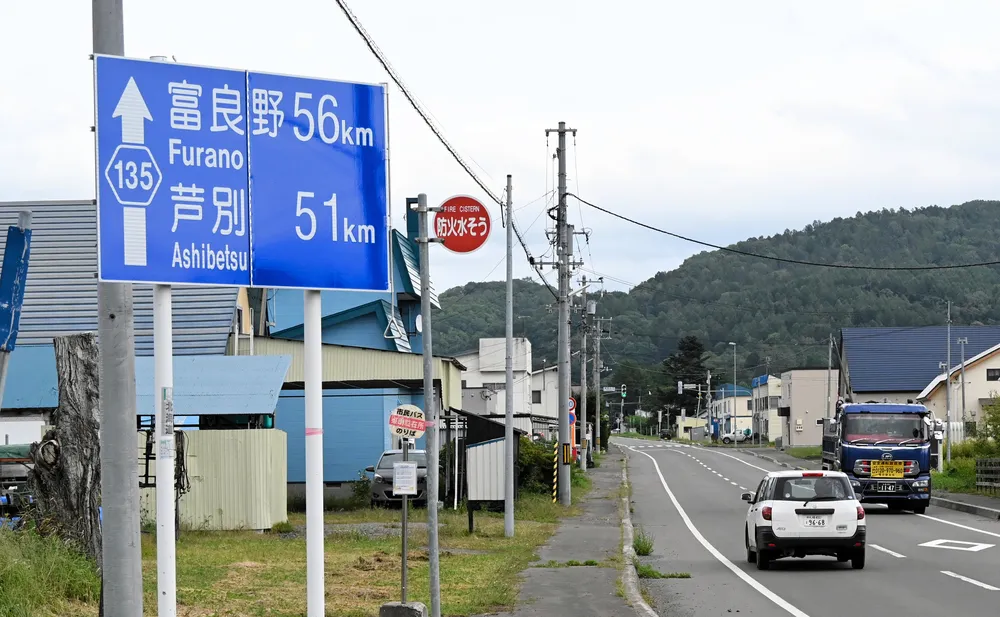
[{"x": 352, "y": 232}]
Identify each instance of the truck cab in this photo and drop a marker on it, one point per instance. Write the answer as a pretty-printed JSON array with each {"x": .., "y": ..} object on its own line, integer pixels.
[{"x": 887, "y": 451}]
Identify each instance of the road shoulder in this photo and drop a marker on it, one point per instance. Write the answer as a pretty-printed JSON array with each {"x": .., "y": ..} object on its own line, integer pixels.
[{"x": 561, "y": 583}]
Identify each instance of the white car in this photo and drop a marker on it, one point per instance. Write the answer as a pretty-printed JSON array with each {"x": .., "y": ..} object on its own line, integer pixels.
[{"x": 799, "y": 513}]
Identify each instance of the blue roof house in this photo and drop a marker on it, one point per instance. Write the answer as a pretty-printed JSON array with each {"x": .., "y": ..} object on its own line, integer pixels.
[{"x": 895, "y": 364}]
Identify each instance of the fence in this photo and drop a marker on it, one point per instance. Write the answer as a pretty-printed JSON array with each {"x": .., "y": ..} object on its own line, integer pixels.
[{"x": 988, "y": 474}]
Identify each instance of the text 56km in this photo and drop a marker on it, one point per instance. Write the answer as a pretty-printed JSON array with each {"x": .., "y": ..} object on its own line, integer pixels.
[{"x": 306, "y": 230}]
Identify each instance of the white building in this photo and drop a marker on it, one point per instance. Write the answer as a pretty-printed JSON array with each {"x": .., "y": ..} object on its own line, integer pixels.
[
  {"x": 484, "y": 385},
  {"x": 766, "y": 393},
  {"x": 803, "y": 401},
  {"x": 731, "y": 408},
  {"x": 982, "y": 384}
]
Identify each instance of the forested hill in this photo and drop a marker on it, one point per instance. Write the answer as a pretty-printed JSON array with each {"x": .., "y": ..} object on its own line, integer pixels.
[{"x": 771, "y": 310}]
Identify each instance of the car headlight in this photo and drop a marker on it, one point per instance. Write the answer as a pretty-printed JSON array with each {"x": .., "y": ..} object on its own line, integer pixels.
[
  {"x": 920, "y": 483},
  {"x": 379, "y": 478},
  {"x": 855, "y": 484}
]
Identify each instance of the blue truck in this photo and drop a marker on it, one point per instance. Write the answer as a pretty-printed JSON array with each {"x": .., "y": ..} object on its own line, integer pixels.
[{"x": 887, "y": 451}]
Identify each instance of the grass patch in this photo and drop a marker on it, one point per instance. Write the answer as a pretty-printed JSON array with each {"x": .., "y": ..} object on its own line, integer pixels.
[
  {"x": 632, "y": 435},
  {"x": 236, "y": 573},
  {"x": 647, "y": 571},
  {"x": 642, "y": 543},
  {"x": 41, "y": 577},
  {"x": 959, "y": 476},
  {"x": 809, "y": 453}
]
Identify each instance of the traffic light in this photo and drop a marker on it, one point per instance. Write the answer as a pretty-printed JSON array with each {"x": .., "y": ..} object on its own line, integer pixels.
[{"x": 623, "y": 390}]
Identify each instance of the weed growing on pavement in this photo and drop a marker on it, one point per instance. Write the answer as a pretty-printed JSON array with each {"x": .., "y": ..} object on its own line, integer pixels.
[
  {"x": 647, "y": 571},
  {"x": 642, "y": 543}
]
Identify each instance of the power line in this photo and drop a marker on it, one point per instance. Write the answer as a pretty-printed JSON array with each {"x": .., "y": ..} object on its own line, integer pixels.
[
  {"x": 373, "y": 47},
  {"x": 780, "y": 259}
]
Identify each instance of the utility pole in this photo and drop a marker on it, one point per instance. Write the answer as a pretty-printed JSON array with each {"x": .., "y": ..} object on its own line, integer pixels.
[
  {"x": 564, "y": 247},
  {"x": 598, "y": 335},
  {"x": 962, "y": 342},
  {"x": 121, "y": 549},
  {"x": 584, "y": 434},
  {"x": 947, "y": 385},
  {"x": 508, "y": 498},
  {"x": 708, "y": 402},
  {"x": 430, "y": 405},
  {"x": 829, "y": 377}
]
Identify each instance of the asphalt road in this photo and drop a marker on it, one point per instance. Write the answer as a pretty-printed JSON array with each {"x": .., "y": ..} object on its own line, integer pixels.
[{"x": 688, "y": 498}]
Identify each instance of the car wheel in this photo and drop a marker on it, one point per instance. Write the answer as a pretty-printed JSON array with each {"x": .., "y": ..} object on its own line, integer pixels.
[
  {"x": 919, "y": 509},
  {"x": 858, "y": 560},
  {"x": 763, "y": 560},
  {"x": 751, "y": 554},
  {"x": 727, "y": 440}
]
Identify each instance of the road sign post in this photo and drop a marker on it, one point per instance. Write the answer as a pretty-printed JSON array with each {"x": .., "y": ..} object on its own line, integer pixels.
[
  {"x": 176, "y": 204},
  {"x": 409, "y": 423}
]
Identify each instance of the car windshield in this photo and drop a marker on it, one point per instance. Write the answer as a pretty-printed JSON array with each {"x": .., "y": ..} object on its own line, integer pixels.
[
  {"x": 397, "y": 457},
  {"x": 884, "y": 428},
  {"x": 830, "y": 488}
]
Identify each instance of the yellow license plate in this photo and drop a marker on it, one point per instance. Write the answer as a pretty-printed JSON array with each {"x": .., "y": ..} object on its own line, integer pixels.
[{"x": 887, "y": 469}]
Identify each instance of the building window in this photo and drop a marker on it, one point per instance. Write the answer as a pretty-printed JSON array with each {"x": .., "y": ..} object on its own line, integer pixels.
[
  {"x": 464, "y": 386},
  {"x": 536, "y": 397},
  {"x": 773, "y": 402},
  {"x": 749, "y": 405},
  {"x": 993, "y": 374},
  {"x": 495, "y": 386}
]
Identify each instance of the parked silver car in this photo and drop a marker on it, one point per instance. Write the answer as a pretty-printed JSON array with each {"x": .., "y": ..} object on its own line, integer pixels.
[{"x": 383, "y": 471}]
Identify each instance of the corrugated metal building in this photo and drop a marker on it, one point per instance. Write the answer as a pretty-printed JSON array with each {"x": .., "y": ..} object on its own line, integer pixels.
[{"x": 61, "y": 294}]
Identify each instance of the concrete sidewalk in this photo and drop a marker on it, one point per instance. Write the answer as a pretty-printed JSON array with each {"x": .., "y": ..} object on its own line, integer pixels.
[
  {"x": 979, "y": 505},
  {"x": 595, "y": 534}
]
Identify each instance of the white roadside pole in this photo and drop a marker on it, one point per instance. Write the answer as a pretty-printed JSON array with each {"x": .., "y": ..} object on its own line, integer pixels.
[
  {"x": 163, "y": 384},
  {"x": 163, "y": 356},
  {"x": 313, "y": 350}
]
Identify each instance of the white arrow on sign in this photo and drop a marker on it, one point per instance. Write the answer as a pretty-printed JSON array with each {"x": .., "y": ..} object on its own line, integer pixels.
[{"x": 132, "y": 110}]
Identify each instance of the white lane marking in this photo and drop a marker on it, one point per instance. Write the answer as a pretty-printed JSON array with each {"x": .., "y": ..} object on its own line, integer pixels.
[
  {"x": 959, "y": 525},
  {"x": 746, "y": 578},
  {"x": 738, "y": 460},
  {"x": 970, "y": 580},
  {"x": 733, "y": 483},
  {"x": 743, "y": 488},
  {"x": 958, "y": 545},
  {"x": 886, "y": 551},
  {"x": 726, "y": 479}
]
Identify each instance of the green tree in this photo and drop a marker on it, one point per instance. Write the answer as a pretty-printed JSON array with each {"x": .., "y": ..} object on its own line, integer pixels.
[{"x": 686, "y": 365}]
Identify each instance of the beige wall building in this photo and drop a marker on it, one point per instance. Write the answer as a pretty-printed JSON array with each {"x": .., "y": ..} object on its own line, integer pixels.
[
  {"x": 766, "y": 392},
  {"x": 982, "y": 383},
  {"x": 803, "y": 401}
]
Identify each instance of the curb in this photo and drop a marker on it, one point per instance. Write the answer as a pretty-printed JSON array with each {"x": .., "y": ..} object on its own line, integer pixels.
[
  {"x": 992, "y": 514},
  {"x": 961, "y": 506},
  {"x": 630, "y": 578}
]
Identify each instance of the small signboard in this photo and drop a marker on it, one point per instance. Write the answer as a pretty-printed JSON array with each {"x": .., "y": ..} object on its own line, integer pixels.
[
  {"x": 404, "y": 478},
  {"x": 463, "y": 224},
  {"x": 608, "y": 389},
  {"x": 407, "y": 421},
  {"x": 572, "y": 404}
]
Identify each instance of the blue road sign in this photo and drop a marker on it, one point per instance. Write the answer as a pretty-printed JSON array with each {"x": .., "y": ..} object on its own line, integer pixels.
[
  {"x": 319, "y": 216},
  {"x": 572, "y": 418},
  {"x": 220, "y": 177}
]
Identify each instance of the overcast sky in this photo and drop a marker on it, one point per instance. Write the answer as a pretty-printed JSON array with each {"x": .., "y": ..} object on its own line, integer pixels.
[{"x": 720, "y": 120}]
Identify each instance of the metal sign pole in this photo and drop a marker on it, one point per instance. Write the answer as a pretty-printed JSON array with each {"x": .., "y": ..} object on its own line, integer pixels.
[
  {"x": 163, "y": 358},
  {"x": 406, "y": 499}
]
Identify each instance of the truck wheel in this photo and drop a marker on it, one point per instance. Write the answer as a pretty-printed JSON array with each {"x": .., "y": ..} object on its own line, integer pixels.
[{"x": 919, "y": 509}]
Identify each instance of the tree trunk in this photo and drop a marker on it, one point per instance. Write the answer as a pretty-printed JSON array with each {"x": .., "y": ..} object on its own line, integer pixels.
[{"x": 66, "y": 479}]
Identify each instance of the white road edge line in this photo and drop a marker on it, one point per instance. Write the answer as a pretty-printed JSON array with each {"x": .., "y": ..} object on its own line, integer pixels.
[
  {"x": 887, "y": 551},
  {"x": 941, "y": 520},
  {"x": 746, "y": 578},
  {"x": 970, "y": 580}
]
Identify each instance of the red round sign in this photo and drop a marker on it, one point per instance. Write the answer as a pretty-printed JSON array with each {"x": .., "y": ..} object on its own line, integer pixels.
[{"x": 463, "y": 224}]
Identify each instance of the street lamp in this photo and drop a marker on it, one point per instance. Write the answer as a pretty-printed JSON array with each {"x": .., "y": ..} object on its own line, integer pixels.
[{"x": 734, "y": 380}]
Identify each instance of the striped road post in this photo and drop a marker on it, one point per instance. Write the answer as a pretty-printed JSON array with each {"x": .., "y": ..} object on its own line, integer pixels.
[{"x": 555, "y": 471}]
